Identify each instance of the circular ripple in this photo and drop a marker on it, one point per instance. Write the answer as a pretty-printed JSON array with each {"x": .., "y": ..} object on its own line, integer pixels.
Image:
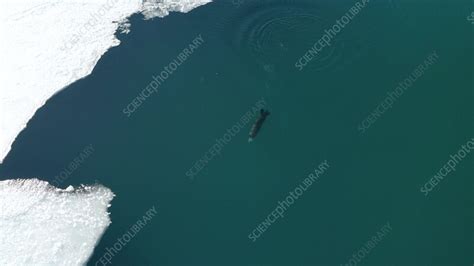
[
  {"x": 272, "y": 33},
  {"x": 276, "y": 33}
]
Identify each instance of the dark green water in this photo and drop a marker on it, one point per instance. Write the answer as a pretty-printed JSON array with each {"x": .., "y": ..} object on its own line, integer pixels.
[{"x": 249, "y": 52}]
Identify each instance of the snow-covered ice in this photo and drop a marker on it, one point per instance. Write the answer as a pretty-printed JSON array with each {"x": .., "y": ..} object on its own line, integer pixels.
[
  {"x": 45, "y": 45},
  {"x": 44, "y": 225}
]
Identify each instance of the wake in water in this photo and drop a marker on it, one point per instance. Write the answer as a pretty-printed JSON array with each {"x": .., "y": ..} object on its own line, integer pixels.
[{"x": 270, "y": 32}]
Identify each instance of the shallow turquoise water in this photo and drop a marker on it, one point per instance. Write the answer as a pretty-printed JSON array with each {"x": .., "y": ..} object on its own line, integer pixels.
[{"x": 249, "y": 52}]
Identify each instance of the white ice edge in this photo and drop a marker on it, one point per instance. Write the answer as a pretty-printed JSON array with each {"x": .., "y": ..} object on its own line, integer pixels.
[
  {"x": 46, "y": 45},
  {"x": 44, "y": 225}
]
